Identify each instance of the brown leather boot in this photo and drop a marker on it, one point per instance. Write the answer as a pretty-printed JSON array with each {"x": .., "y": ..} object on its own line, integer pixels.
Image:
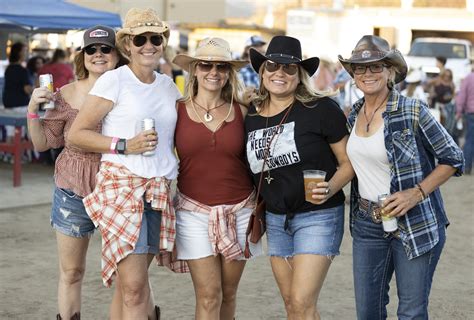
[{"x": 76, "y": 316}]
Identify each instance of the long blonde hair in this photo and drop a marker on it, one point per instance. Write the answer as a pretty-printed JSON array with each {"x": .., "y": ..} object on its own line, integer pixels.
[{"x": 232, "y": 90}]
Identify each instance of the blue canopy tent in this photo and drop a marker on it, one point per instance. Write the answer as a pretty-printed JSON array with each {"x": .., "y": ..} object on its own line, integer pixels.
[{"x": 51, "y": 16}]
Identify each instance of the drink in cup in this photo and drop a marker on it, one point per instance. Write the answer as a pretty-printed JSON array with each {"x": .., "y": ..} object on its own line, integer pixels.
[
  {"x": 389, "y": 223},
  {"x": 311, "y": 179},
  {"x": 46, "y": 80}
]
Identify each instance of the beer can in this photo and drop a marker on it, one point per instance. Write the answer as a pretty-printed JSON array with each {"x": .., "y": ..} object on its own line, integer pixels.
[
  {"x": 390, "y": 224},
  {"x": 147, "y": 124},
  {"x": 46, "y": 80}
]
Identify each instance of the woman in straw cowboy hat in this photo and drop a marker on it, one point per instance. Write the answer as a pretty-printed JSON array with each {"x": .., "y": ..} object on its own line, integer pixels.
[
  {"x": 393, "y": 146},
  {"x": 215, "y": 193},
  {"x": 292, "y": 128},
  {"x": 75, "y": 169},
  {"x": 132, "y": 196}
]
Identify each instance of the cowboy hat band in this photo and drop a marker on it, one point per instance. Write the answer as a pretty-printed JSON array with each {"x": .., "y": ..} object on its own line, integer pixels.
[
  {"x": 284, "y": 50},
  {"x": 372, "y": 48},
  {"x": 138, "y": 21},
  {"x": 212, "y": 50}
]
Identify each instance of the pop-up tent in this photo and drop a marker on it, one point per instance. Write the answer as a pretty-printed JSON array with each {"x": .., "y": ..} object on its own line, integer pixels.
[{"x": 51, "y": 16}]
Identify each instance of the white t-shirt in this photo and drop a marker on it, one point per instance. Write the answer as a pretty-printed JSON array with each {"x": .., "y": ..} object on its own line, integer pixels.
[
  {"x": 133, "y": 101},
  {"x": 368, "y": 157}
]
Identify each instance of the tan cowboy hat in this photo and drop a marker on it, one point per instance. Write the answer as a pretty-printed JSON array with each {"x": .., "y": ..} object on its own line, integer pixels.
[
  {"x": 372, "y": 49},
  {"x": 210, "y": 49},
  {"x": 138, "y": 21}
]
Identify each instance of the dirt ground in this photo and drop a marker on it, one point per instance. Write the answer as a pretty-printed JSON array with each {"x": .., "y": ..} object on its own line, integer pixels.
[{"x": 28, "y": 268}]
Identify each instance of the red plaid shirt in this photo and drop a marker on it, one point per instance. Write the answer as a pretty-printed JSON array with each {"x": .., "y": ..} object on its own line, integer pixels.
[
  {"x": 116, "y": 207},
  {"x": 222, "y": 229}
]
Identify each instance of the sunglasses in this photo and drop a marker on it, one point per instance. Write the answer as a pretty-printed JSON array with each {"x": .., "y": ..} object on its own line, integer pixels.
[
  {"x": 207, "y": 66},
  {"x": 374, "y": 68},
  {"x": 289, "y": 69},
  {"x": 140, "y": 40},
  {"x": 90, "y": 50}
]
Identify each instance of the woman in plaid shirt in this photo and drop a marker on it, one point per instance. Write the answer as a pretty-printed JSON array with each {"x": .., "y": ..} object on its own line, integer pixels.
[{"x": 396, "y": 147}]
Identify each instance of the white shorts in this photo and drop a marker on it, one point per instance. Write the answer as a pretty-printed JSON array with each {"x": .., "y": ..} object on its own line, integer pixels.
[{"x": 192, "y": 236}]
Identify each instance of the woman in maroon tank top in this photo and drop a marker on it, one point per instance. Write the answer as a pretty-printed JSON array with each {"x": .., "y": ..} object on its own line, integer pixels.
[{"x": 215, "y": 192}]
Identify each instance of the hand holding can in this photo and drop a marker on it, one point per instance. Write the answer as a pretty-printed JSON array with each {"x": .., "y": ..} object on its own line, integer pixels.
[
  {"x": 147, "y": 124},
  {"x": 46, "y": 81},
  {"x": 390, "y": 224}
]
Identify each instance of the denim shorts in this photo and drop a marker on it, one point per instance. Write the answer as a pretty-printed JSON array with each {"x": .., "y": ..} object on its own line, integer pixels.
[
  {"x": 149, "y": 237},
  {"x": 316, "y": 232},
  {"x": 68, "y": 215}
]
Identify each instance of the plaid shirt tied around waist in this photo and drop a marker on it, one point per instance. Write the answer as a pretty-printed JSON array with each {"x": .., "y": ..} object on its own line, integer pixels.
[
  {"x": 222, "y": 229},
  {"x": 116, "y": 207},
  {"x": 415, "y": 143}
]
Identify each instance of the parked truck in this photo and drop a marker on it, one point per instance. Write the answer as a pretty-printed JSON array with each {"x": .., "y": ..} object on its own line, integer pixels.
[{"x": 423, "y": 53}]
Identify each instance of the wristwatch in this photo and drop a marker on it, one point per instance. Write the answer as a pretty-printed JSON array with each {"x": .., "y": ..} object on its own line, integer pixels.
[{"x": 121, "y": 146}]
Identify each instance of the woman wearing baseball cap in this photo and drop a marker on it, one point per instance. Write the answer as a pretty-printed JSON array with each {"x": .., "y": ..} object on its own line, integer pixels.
[{"x": 75, "y": 168}]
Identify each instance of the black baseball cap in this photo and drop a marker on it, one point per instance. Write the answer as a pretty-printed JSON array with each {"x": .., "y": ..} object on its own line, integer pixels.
[{"x": 99, "y": 35}]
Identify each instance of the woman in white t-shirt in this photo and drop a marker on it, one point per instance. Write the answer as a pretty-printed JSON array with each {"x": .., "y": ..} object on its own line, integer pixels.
[{"x": 131, "y": 201}]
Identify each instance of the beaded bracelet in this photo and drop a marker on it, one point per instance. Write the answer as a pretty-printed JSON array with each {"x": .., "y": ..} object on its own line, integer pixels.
[
  {"x": 30, "y": 115},
  {"x": 423, "y": 194}
]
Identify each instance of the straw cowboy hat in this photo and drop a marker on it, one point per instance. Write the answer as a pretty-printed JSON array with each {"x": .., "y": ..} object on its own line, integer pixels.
[
  {"x": 138, "y": 21},
  {"x": 284, "y": 50},
  {"x": 209, "y": 49},
  {"x": 372, "y": 49}
]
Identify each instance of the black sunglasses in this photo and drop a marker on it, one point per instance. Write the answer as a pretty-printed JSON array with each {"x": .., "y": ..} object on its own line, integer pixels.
[
  {"x": 207, "y": 66},
  {"x": 90, "y": 50},
  {"x": 289, "y": 69},
  {"x": 140, "y": 40},
  {"x": 362, "y": 68}
]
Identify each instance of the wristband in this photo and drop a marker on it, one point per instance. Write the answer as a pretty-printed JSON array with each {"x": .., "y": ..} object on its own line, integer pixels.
[
  {"x": 113, "y": 145},
  {"x": 30, "y": 115},
  {"x": 423, "y": 194}
]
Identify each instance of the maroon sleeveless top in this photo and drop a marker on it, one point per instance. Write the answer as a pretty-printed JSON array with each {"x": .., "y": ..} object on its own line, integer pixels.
[{"x": 212, "y": 167}]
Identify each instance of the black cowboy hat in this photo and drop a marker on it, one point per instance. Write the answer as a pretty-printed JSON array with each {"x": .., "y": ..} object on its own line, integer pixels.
[
  {"x": 372, "y": 49},
  {"x": 284, "y": 50}
]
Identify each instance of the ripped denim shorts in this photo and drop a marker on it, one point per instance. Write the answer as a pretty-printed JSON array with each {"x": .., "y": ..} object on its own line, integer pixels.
[{"x": 69, "y": 216}]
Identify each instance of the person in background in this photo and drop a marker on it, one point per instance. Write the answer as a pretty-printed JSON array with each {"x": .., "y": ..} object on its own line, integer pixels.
[
  {"x": 353, "y": 94},
  {"x": 323, "y": 79},
  {"x": 247, "y": 74},
  {"x": 167, "y": 66},
  {"x": 33, "y": 66},
  {"x": 17, "y": 87},
  {"x": 413, "y": 88},
  {"x": 75, "y": 169},
  {"x": 465, "y": 108},
  {"x": 59, "y": 68},
  {"x": 339, "y": 83},
  {"x": 298, "y": 129},
  {"x": 131, "y": 201},
  {"x": 213, "y": 207},
  {"x": 397, "y": 148}
]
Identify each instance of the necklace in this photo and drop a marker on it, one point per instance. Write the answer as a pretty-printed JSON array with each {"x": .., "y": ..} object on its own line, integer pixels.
[
  {"x": 205, "y": 122},
  {"x": 369, "y": 121},
  {"x": 269, "y": 178},
  {"x": 207, "y": 116}
]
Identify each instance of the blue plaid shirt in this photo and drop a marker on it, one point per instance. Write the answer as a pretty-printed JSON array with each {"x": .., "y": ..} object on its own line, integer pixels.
[
  {"x": 413, "y": 140},
  {"x": 249, "y": 76}
]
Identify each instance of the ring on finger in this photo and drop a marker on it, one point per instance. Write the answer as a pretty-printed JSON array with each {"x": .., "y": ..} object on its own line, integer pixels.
[
  {"x": 327, "y": 191},
  {"x": 150, "y": 143}
]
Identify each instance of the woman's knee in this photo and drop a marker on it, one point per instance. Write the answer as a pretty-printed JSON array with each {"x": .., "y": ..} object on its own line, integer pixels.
[
  {"x": 302, "y": 305},
  {"x": 134, "y": 293},
  {"x": 210, "y": 297},
  {"x": 72, "y": 275}
]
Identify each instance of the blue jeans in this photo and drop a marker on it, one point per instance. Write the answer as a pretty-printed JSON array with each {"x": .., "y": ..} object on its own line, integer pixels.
[
  {"x": 469, "y": 143},
  {"x": 376, "y": 258}
]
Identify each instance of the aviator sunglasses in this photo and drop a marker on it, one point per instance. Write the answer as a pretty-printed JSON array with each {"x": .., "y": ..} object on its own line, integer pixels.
[
  {"x": 289, "y": 69},
  {"x": 362, "y": 68},
  {"x": 207, "y": 66},
  {"x": 140, "y": 40},
  {"x": 90, "y": 50}
]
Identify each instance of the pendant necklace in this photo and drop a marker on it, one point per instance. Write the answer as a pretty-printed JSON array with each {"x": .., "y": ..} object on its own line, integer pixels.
[
  {"x": 369, "y": 121},
  {"x": 204, "y": 122},
  {"x": 207, "y": 116},
  {"x": 269, "y": 178}
]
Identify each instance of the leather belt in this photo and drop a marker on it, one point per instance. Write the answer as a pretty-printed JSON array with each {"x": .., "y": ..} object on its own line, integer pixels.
[{"x": 372, "y": 208}]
